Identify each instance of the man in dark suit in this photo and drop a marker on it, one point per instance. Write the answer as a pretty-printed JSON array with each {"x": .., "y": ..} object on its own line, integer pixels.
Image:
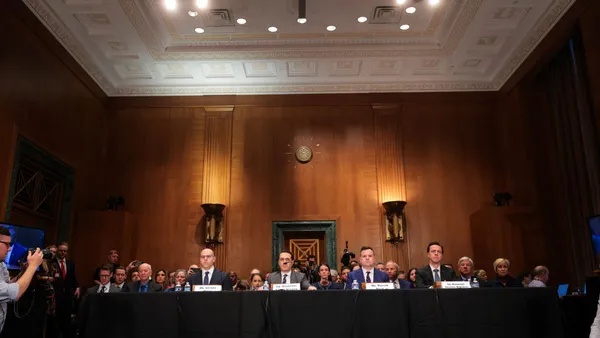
[
  {"x": 367, "y": 272},
  {"x": 435, "y": 271},
  {"x": 105, "y": 285},
  {"x": 392, "y": 271},
  {"x": 286, "y": 275},
  {"x": 144, "y": 284},
  {"x": 209, "y": 275},
  {"x": 465, "y": 269},
  {"x": 66, "y": 291}
]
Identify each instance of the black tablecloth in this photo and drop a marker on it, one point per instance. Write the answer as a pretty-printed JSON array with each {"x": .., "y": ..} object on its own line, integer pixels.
[{"x": 463, "y": 313}]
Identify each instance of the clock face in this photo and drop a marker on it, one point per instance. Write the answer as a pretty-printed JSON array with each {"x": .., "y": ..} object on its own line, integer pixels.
[{"x": 304, "y": 154}]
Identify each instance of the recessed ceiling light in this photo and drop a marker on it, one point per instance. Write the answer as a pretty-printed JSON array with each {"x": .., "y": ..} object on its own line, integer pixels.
[
  {"x": 434, "y": 2},
  {"x": 241, "y": 21},
  {"x": 362, "y": 19},
  {"x": 202, "y": 3},
  {"x": 272, "y": 29},
  {"x": 192, "y": 13},
  {"x": 199, "y": 30},
  {"x": 404, "y": 27},
  {"x": 171, "y": 4},
  {"x": 400, "y": 2},
  {"x": 331, "y": 28},
  {"x": 411, "y": 10},
  {"x": 301, "y": 20}
]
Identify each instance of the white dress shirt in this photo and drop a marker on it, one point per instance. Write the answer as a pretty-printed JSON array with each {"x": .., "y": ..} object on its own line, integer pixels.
[
  {"x": 371, "y": 274},
  {"x": 289, "y": 276},
  {"x": 106, "y": 288},
  {"x": 439, "y": 269},
  {"x": 210, "y": 273},
  {"x": 595, "y": 329}
]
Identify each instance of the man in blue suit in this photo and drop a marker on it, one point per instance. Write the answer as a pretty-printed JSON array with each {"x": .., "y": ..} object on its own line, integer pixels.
[{"x": 367, "y": 272}]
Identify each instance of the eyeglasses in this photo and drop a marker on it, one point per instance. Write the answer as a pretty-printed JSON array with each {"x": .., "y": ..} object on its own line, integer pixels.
[{"x": 8, "y": 244}]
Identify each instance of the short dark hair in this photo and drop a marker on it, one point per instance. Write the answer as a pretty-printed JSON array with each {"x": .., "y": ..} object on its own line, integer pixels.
[
  {"x": 63, "y": 243},
  {"x": 4, "y": 231},
  {"x": 345, "y": 268},
  {"x": 363, "y": 248},
  {"x": 378, "y": 263},
  {"x": 401, "y": 272},
  {"x": 311, "y": 256},
  {"x": 435, "y": 243},
  {"x": 105, "y": 268},
  {"x": 120, "y": 267},
  {"x": 285, "y": 251}
]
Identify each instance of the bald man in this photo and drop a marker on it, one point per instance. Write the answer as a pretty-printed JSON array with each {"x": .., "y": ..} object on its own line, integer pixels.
[
  {"x": 209, "y": 275},
  {"x": 144, "y": 284}
]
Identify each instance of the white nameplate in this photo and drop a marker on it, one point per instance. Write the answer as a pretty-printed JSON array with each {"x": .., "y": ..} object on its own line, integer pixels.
[
  {"x": 379, "y": 286},
  {"x": 456, "y": 285},
  {"x": 208, "y": 288},
  {"x": 291, "y": 286}
]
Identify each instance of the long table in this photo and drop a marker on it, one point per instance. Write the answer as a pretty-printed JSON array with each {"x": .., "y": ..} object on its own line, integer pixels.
[{"x": 476, "y": 313}]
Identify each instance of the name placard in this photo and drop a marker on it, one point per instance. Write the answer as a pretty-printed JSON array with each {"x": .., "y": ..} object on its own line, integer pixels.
[
  {"x": 207, "y": 288},
  {"x": 291, "y": 286},
  {"x": 456, "y": 285},
  {"x": 379, "y": 286}
]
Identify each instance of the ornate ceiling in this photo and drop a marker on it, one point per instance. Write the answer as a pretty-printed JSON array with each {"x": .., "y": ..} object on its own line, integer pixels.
[{"x": 139, "y": 47}]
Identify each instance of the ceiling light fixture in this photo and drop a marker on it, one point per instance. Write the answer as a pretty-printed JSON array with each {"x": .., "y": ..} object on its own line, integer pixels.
[
  {"x": 411, "y": 10},
  {"x": 272, "y": 29},
  {"x": 301, "y": 11},
  {"x": 192, "y": 14},
  {"x": 404, "y": 27},
  {"x": 400, "y": 2},
  {"x": 362, "y": 19},
  {"x": 241, "y": 21},
  {"x": 199, "y": 30},
  {"x": 171, "y": 4},
  {"x": 331, "y": 28},
  {"x": 434, "y": 2},
  {"x": 202, "y": 3}
]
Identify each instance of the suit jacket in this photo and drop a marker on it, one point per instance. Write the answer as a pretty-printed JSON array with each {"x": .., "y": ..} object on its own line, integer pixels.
[
  {"x": 425, "y": 276},
  {"x": 65, "y": 287},
  {"x": 359, "y": 276},
  {"x": 111, "y": 289},
  {"x": 459, "y": 279},
  {"x": 404, "y": 284},
  {"x": 295, "y": 277},
  {"x": 134, "y": 286},
  {"x": 218, "y": 278}
]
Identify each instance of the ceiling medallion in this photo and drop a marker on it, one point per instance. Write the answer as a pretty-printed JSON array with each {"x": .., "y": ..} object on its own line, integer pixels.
[{"x": 304, "y": 154}]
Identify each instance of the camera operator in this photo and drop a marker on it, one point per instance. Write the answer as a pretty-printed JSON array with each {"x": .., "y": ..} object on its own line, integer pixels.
[
  {"x": 14, "y": 291},
  {"x": 312, "y": 271}
]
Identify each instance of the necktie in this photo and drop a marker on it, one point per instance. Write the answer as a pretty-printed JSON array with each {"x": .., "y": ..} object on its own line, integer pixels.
[
  {"x": 368, "y": 277},
  {"x": 436, "y": 275},
  {"x": 145, "y": 288},
  {"x": 206, "y": 278},
  {"x": 284, "y": 279},
  {"x": 103, "y": 289},
  {"x": 62, "y": 269}
]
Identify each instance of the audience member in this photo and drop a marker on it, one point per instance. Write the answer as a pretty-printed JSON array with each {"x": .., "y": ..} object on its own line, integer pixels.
[
  {"x": 144, "y": 284},
  {"x": 179, "y": 279},
  {"x": 391, "y": 269},
  {"x": 325, "y": 282},
  {"x": 105, "y": 286},
  {"x": 380, "y": 266},
  {"x": 255, "y": 271},
  {"x": 344, "y": 276},
  {"x": 353, "y": 263},
  {"x": 312, "y": 270},
  {"x": 412, "y": 277},
  {"x": 191, "y": 269},
  {"x": 503, "y": 279},
  {"x": 524, "y": 278},
  {"x": 66, "y": 291},
  {"x": 120, "y": 277},
  {"x": 235, "y": 282},
  {"x": 285, "y": 275},
  {"x": 540, "y": 277},
  {"x": 481, "y": 275},
  {"x": 135, "y": 275},
  {"x": 465, "y": 269},
  {"x": 595, "y": 329},
  {"x": 401, "y": 274},
  {"x": 45, "y": 293},
  {"x": 435, "y": 271},
  {"x": 366, "y": 273},
  {"x": 113, "y": 263},
  {"x": 256, "y": 281},
  {"x": 334, "y": 276},
  {"x": 171, "y": 278},
  {"x": 356, "y": 267},
  {"x": 160, "y": 278},
  {"x": 209, "y": 275}
]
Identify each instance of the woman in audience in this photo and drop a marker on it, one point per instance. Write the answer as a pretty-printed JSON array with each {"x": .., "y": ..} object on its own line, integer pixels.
[
  {"x": 180, "y": 278},
  {"x": 160, "y": 278},
  {"x": 412, "y": 277},
  {"x": 256, "y": 281},
  {"x": 481, "y": 275},
  {"x": 325, "y": 282},
  {"x": 503, "y": 279},
  {"x": 335, "y": 276}
]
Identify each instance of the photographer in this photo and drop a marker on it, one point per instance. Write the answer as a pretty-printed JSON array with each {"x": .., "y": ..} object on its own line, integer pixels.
[
  {"x": 13, "y": 291},
  {"x": 312, "y": 271}
]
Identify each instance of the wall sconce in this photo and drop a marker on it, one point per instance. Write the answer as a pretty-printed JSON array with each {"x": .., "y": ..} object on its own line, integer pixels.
[
  {"x": 213, "y": 223},
  {"x": 394, "y": 220}
]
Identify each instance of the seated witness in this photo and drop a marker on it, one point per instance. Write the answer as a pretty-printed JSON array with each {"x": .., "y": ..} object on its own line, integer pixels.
[
  {"x": 391, "y": 269},
  {"x": 503, "y": 279},
  {"x": 285, "y": 275},
  {"x": 144, "y": 284},
  {"x": 412, "y": 277},
  {"x": 366, "y": 273},
  {"x": 256, "y": 281},
  {"x": 435, "y": 271},
  {"x": 465, "y": 270},
  {"x": 325, "y": 282},
  {"x": 180, "y": 278},
  {"x": 160, "y": 278},
  {"x": 105, "y": 286},
  {"x": 209, "y": 275},
  {"x": 540, "y": 277}
]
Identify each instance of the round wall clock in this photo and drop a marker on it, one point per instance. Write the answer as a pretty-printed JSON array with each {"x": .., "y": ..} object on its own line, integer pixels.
[{"x": 304, "y": 154}]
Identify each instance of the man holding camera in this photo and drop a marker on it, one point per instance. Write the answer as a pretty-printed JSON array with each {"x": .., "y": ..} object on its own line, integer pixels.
[{"x": 13, "y": 291}]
